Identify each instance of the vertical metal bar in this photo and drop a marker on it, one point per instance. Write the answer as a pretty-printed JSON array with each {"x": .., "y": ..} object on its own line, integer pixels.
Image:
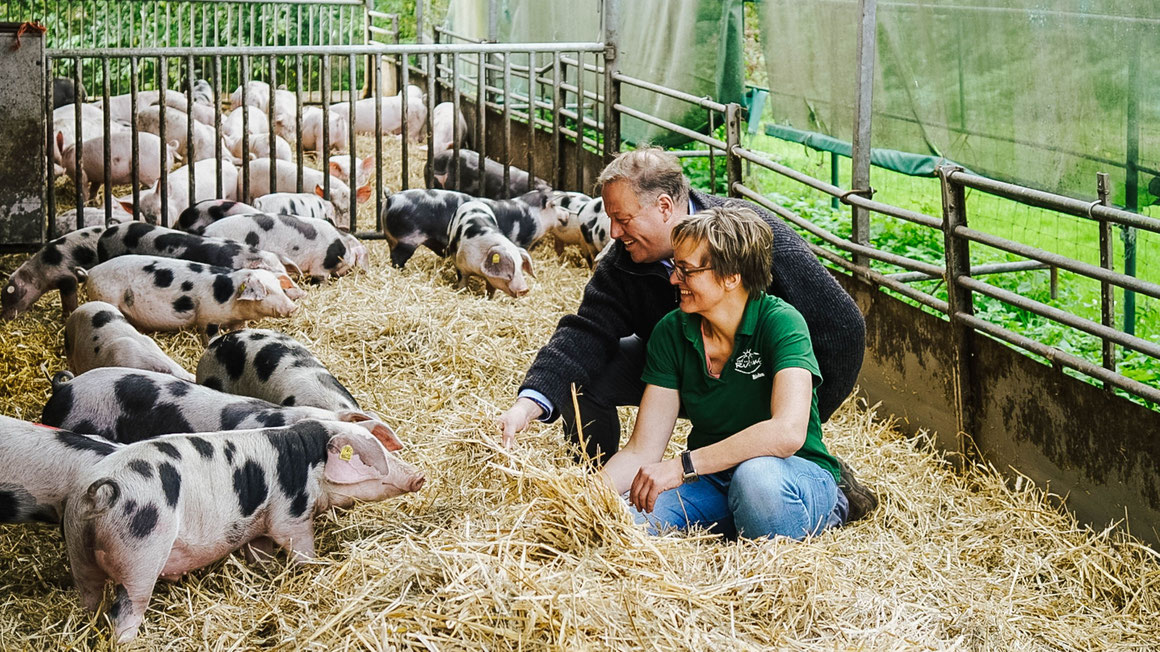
[
  {"x": 49, "y": 227},
  {"x": 244, "y": 72},
  {"x": 324, "y": 68},
  {"x": 378, "y": 63},
  {"x": 958, "y": 264},
  {"x": 732, "y": 142},
  {"x": 272, "y": 64},
  {"x": 405, "y": 106},
  {"x": 79, "y": 140},
  {"x": 611, "y": 85},
  {"x": 557, "y": 171},
  {"x": 863, "y": 111},
  {"x": 480, "y": 111},
  {"x": 352, "y": 181},
  {"x": 108, "y": 153},
  {"x": 712, "y": 156},
  {"x": 217, "y": 123},
  {"x": 163, "y": 85},
  {"x": 298, "y": 122},
  {"x": 455, "y": 135},
  {"x": 190, "y": 149},
  {"x": 418, "y": 21},
  {"x": 431, "y": 74},
  {"x": 507, "y": 123},
  {"x": 834, "y": 179},
  {"x": 134, "y": 149},
  {"x": 492, "y": 21},
  {"x": 1107, "y": 290},
  {"x": 580, "y": 121},
  {"x": 531, "y": 109}
]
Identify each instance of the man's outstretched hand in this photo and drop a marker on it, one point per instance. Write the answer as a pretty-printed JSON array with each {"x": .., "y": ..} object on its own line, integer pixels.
[{"x": 517, "y": 419}]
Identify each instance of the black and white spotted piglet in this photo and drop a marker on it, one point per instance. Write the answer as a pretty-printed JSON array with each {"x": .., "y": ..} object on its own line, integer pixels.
[
  {"x": 168, "y": 294},
  {"x": 481, "y": 249},
  {"x": 207, "y": 211},
  {"x": 169, "y": 506},
  {"x": 271, "y": 366},
  {"x": 128, "y": 405},
  {"x": 421, "y": 217},
  {"x": 152, "y": 240},
  {"x": 97, "y": 335},
  {"x": 38, "y": 465},
  {"x": 316, "y": 246},
  {"x": 53, "y": 267}
]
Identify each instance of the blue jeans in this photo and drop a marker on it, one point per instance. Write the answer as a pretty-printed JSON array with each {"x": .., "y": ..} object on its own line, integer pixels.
[{"x": 761, "y": 497}]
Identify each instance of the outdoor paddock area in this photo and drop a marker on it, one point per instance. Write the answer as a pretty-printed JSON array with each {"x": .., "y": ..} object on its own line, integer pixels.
[{"x": 521, "y": 549}]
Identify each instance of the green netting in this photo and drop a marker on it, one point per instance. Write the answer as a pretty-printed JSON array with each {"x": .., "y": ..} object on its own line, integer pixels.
[
  {"x": 1040, "y": 92},
  {"x": 691, "y": 45}
]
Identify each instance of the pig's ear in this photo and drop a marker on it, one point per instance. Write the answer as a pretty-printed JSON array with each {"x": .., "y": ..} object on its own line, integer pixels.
[
  {"x": 290, "y": 265},
  {"x": 60, "y": 140},
  {"x": 367, "y": 164},
  {"x": 252, "y": 289},
  {"x": 336, "y": 169},
  {"x": 497, "y": 265},
  {"x": 527, "y": 264},
  {"x": 127, "y": 204},
  {"x": 364, "y": 193},
  {"x": 318, "y": 191},
  {"x": 351, "y": 460},
  {"x": 380, "y": 430}
]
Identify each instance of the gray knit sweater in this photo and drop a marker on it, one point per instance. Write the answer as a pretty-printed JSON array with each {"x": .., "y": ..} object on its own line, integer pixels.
[{"x": 624, "y": 298}]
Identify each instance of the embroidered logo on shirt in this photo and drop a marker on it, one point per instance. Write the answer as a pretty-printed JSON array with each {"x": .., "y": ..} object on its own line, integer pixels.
[{"x": 749, "y": 362}]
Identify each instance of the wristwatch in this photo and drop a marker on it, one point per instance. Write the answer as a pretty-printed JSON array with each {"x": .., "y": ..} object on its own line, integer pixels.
[{"x": 687, "y": 467}]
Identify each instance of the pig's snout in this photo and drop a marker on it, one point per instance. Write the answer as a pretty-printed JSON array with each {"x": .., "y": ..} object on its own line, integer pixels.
[{"x": 416, "y": 482}]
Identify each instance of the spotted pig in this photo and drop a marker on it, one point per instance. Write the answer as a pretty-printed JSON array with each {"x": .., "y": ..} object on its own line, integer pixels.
[
  {"x": 98, "y": 335},
  {"x": 207, "y": 211},
  {"x": 169, "y": 506},
  {"x": 54, "y": 266},
  {"x": 462, "y": 174},
  {"x": 316, "y": 246},
  {"x": 480, "y": 249},
  {"x": 167, "y": 294},
  {"x": 129, "y": 405},
  {"x": 271, "y": 366},
  {"x": 38, "y": 465}
]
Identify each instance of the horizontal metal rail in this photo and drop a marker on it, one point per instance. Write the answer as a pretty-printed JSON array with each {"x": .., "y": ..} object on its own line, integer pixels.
[
  {"x": 703, "y": 102},
  {"x": 977, "y": 270},
  {"x": 846, "y": 245},
  {"x": 317, "y": 50},
  {"x": 881, "y": 279},
  {"x": 835, "y": 191},
  {"x": 1062, "y": 316},
  {"x": 1055, "y": 260},
  {"x": 671, "y": 126},
  {"x": 1065, "y": 359},
  {"x": 1090, "y": 210}
]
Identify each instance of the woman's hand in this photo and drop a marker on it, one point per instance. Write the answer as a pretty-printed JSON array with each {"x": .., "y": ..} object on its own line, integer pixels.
[{"x": 651, "y": 480}]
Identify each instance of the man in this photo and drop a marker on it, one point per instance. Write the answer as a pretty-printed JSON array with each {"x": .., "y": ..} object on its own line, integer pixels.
[{"x": 601, "y": 348}]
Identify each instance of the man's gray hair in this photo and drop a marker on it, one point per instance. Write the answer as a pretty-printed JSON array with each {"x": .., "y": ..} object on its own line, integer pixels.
[{"x": 650, "y": 171}]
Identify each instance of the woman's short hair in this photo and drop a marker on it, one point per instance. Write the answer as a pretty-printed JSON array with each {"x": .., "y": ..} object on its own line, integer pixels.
[
  {"x": 650, "y": 171},
  {"x": 739, "y": 242}
]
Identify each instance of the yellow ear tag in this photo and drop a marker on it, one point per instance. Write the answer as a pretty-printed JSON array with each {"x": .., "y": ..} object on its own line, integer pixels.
[
  {"x": 495, "y": 259},
  {"x": 346, "y": 452},
  {"x": 241, "y": 288}
]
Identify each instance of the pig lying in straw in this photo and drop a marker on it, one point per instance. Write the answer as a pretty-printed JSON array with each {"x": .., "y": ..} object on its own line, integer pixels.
[
  {"x": 169, "y": 506},
  {"x": 168, "y": 294},
  {"x": 38, "y": 465},
  {"x": 271, "y": 366},
  {"x": 97, "y": 335},
  {"x": 53, "y": 267}
]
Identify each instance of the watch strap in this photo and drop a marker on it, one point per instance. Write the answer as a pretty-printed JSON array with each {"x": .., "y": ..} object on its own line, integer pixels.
[{"x": 690, "y": 473}]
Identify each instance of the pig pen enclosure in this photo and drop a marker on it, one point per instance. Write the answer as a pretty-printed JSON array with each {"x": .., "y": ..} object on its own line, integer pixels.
[{"x": 521, "y": 549}]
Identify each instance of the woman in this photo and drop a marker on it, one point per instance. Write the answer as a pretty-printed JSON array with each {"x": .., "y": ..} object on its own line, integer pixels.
[{"x": 740, "y": 364}]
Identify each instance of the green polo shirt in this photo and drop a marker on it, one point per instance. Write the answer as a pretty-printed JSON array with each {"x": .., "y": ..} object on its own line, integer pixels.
[{"x": 772, "y": 336}]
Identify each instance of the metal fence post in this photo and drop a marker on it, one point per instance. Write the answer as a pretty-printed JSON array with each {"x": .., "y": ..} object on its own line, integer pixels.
[
  {"x": 611, "y": 85},
  {"x": 732, "y": 140},
  {"x": 959, "y": 301},
  {"x": 863, "y": 110},
  {"x": 1108, "y": 262}
]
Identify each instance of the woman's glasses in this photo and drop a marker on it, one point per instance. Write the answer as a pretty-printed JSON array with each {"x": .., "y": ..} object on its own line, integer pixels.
[{"x": 683, "y": 273}]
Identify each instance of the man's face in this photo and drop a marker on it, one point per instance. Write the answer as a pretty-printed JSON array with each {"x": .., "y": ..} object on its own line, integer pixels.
[{"x": 645, "y": 231}]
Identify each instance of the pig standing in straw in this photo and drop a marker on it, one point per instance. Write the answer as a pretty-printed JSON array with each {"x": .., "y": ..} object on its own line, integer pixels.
[
  {"x": 165, "y": 507},
  {"x": 481, "y": 249}
]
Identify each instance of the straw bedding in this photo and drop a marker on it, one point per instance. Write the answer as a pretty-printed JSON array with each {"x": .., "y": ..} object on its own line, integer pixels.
[{"x": 520, "y": 549}]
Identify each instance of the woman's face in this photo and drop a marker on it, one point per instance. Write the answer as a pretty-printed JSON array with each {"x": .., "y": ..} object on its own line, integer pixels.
[{"x": 699, "y": 286}]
